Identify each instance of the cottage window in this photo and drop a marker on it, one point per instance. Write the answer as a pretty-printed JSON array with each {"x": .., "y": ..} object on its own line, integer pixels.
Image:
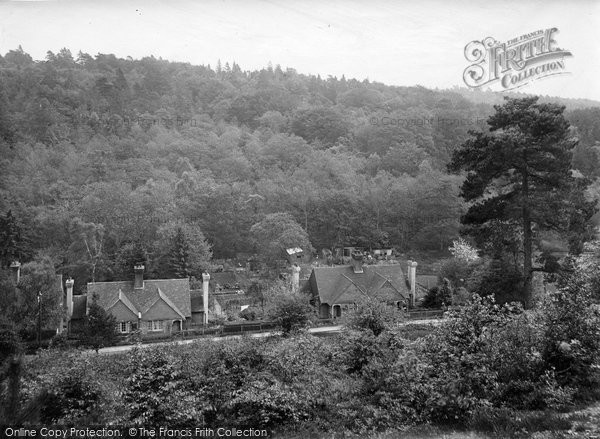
[
  {"x": 155, "y": 325},
  {"x": 124, "y": 327}
]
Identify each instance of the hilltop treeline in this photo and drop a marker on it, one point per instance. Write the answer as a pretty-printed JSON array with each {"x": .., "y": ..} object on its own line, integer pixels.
[{"x": 106, "y": 161}]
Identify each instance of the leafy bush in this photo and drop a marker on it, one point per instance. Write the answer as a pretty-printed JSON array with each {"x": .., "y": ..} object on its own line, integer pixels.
[
  {"x": 460, "y": 356},
  {"x": 249, "y": 314},
  {"x": 505, "y": 422},
  {"x": 73, "y": 399},
  {"x": 481, "y": 367},
  {"x": 291, "y": 312},
  {"x": 438, "y": 297},
  {"x": 571, "y": 333},
  {"x": 157, "y": 392},
  {"x": 373, "y": 315}
]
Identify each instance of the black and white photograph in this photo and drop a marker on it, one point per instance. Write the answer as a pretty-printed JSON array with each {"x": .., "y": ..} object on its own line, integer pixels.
[{"x": 300, "y": 219}]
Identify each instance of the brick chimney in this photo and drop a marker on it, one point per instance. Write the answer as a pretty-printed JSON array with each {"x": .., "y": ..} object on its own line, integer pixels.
[
  {"x": 139, "y": 276},
  {"x": 15, "y": 267},
  {"x": 205, "y": 280},
  {"x": 69, "y": 285},
  {"x": 357, "y": 260},
  {"x": 412, "y": 281}
]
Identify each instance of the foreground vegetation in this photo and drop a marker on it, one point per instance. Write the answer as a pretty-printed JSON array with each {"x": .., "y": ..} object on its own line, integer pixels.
[{"x": 489, "y": 368}]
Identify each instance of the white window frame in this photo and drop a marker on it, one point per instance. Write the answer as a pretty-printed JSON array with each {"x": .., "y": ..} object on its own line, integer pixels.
[
  {"x": 155, "y": 325},
  {"x": 127, "y": 327}
]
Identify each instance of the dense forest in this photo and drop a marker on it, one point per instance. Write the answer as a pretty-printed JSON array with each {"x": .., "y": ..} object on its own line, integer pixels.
[{"x": 105, "y": 161}]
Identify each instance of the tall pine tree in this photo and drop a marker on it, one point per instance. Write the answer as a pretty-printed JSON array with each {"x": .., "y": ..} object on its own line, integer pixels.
[
  {"x": 519, "y": 175},
  {"x": 179, "y": 256}
]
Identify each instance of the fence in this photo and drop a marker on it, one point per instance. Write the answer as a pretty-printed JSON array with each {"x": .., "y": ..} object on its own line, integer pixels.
[
  {"x": 425, "y": 314},
  {"x": 228, "y": 329}
]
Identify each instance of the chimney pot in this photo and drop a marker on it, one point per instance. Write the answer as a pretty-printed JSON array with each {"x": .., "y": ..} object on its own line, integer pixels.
[
  {"x": 356, "y": 260},
  {"x": 69, "y": 284},
  {"x": 412, "y": 276},
  {"x": 205, "y": 280}
]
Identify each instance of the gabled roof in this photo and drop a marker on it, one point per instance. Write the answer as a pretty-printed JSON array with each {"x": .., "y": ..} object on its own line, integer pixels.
[
  {"x": 340, "y": 284},
  {"x": 123, "y": 298},
  {"x": 164, "y": 297},
  {"x": 176, "y": 291},
  {"x": 293, "y": 251}
]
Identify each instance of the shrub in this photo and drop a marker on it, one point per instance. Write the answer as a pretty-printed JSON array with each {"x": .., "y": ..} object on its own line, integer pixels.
[
  {"x": 459, "y": 356},
  {"x": 291, "y": 312},
  {"x": 249, "y": 314},
  {"x": 438, "y": 297},
  {"x": 373, "y": 315},
  {"x": 265, "y": 403},
  {"x": 157, "y": 392},
  {"x": 73, "y": 399},
  {"x": 505, "y": 422},
  {"x": 571, "y": 329}
]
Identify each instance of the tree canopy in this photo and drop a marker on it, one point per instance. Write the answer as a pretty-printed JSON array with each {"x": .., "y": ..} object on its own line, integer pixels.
[
  {"x": 103, "y": 158},
  {"x": 519, "y": 180}
]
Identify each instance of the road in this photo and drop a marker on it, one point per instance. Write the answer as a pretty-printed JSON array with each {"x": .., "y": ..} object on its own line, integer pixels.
[{"x": 323, "y": 330}]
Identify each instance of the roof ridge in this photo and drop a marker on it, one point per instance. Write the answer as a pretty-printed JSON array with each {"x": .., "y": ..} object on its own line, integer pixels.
[
  {"x": 109, "y": 282},
  {"x": 145, "y": 280}
]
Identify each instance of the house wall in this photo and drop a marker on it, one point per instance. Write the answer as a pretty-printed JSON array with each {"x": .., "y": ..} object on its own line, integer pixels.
[
  {"x": 122, "y": 313},
  {"x": 324, "y": 311},
  {"x": 161, "y": 311},
  {"x": 147, "y": 333},
  {"x": 312, "y": 281},
  {"x": 198, "y": 318}
]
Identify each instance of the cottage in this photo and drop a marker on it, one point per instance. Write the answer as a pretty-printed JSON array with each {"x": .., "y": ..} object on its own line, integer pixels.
[
  {"x": 154, "y": 306},
  {"x": 338, "y": 289}
]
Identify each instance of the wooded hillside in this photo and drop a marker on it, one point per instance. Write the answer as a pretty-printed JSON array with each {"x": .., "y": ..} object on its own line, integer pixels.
[{"x": 107, "y": 161}]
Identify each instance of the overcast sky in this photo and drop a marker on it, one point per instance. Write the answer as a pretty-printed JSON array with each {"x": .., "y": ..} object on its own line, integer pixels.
[{"x": 394, "y": 42}]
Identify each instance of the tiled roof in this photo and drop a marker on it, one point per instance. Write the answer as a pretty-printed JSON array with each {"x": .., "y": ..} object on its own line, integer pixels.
[
  {"x": 223, "y": 278},
  {"x": 341, "y": 285},
  {"x": 168, "y": 301},
  {"x": 123, "y": 298},
  {"x": 176, "y": 290},
  {"x": 427, "y": 280}
]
